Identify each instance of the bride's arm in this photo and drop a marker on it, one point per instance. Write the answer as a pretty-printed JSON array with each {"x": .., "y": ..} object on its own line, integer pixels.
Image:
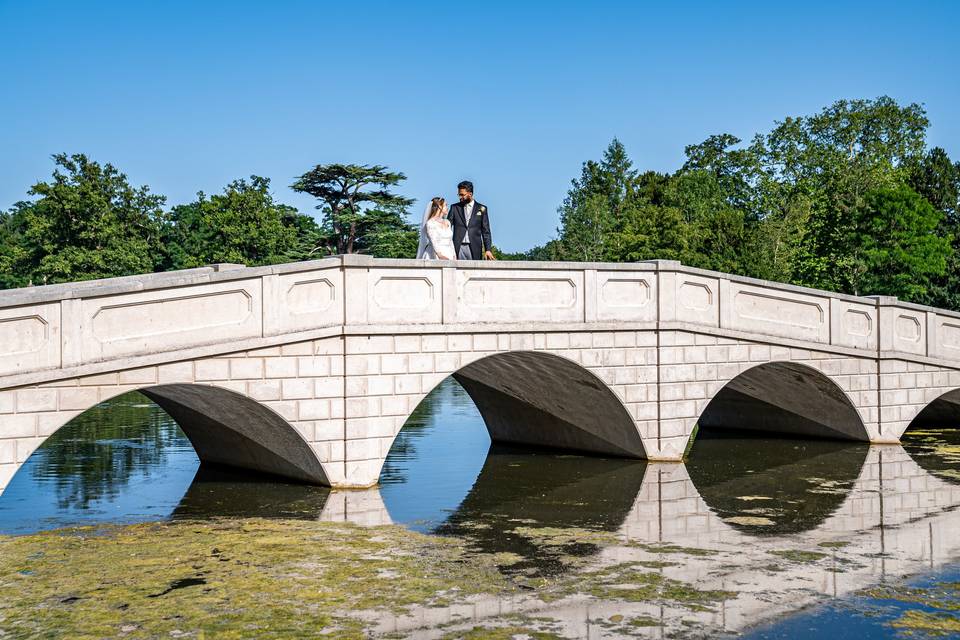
[{"x": 433, "y": 233}]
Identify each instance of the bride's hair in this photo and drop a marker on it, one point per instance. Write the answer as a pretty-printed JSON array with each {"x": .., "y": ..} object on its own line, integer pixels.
[{"x": 436, "y": 207}]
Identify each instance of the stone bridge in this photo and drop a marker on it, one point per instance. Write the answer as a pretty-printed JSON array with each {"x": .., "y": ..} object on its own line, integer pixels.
[{"x": 309, "y": 370}]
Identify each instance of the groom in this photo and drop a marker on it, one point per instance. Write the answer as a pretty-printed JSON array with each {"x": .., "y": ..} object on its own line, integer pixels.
[{"x": 471, "y": 226}]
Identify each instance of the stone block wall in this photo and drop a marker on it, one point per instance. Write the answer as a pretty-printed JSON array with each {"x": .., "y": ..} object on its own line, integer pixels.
[
  {"x": 302, "y": 382},
  {"x": 348, "y": 396}
]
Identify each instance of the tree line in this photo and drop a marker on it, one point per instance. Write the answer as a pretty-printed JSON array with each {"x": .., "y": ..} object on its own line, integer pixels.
[
  {"x": 87, "y": 221},
  {"x": 849, "y": 199}
]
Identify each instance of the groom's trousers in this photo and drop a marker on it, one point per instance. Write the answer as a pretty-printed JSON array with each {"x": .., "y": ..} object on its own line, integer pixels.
[{"x": 464, "y": 252}]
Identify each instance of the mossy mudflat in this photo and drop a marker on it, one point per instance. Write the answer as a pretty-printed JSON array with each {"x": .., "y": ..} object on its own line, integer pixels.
[
  {"x": 937, "y": 624},
  {"x": 225, "y": 579},
  {"x": 796, "y": 555}
]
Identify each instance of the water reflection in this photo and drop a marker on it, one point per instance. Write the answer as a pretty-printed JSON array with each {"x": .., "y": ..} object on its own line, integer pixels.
[
  {"x": 519, "y": 487},
  {"x": 435, "y": 458},
  {"x": 105, "y": 448},
  {"x": 774, "y": 486},
  {"x": 122, "y": 461},
  {"x": 777, "y": 524},
  {"x": 228, "y": 493},
  {"x": 936, "y": 450}
]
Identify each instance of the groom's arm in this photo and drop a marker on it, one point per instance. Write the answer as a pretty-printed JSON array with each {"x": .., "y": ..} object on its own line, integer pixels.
[{"x": 485, "y": 234}]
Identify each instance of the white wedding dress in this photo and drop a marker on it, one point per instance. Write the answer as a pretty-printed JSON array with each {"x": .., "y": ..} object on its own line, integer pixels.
[{"x": 439, "y": 236}]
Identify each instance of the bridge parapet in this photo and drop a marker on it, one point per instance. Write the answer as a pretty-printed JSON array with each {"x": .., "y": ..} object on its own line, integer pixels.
[{"x": 82, "y": 327}]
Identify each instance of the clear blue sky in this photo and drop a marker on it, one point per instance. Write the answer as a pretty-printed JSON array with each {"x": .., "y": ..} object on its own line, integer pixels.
[{"x": 186, "y": 96}]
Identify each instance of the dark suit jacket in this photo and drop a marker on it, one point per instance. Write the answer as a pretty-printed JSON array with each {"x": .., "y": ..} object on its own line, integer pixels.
[{"x": 479, "y": 227}]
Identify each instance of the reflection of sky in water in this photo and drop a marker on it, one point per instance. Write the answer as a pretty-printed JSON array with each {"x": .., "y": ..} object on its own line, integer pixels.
[
  {"x": 123, "y": 461},
  {"x": 857, "y": 617},
  {"x": 435, "y": 459},
  {"x": 126, "y": 461}
]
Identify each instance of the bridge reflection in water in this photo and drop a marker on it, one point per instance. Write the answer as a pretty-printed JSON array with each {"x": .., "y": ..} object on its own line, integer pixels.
[{"x": 729, "y": 519}]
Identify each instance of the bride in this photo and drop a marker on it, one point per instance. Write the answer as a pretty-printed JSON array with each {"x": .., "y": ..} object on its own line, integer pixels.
[{"x": 436, "y": 234}]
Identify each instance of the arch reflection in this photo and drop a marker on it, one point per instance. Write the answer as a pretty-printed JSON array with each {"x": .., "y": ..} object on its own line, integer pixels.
[
  {"x": 224, "y": 492},
  {"x": 936, "y": 449},
  {"x": 774, "y": 486},
  {"x": 522, "y": 492}
]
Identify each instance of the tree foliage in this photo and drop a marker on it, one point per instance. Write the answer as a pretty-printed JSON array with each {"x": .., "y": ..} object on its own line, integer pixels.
[
  {"x": 848, "y": 199},
  {"x": 243, "y": 225},
  {"x": 349, "y": 195},
  {"x": 87, "y": 222}
]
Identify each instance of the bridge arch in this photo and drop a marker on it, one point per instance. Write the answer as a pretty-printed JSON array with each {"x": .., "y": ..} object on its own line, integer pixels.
[
  {"x": 942, "y": 410},
  {"x": 225, "y": 427},
  {"x": 927, "y": 439},
  {"x": 785, "y": 398},
  {"x": 541, "y": 399}
]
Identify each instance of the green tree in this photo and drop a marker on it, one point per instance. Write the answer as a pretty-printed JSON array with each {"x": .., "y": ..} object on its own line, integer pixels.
[
  {"x": 243, "y": 225},
  {"x": 715, "y": 231},
  {"x": 831, "y": 161},
  {"x": 88, "y": 222},
  {"x": 898, "y": 251},
  {"x": 650, "y": 232},
  {"x": 347, "y": 193},
  {"x": 594, "y": 204},
  {"x": 937, "y": 179},
  {"x": 14, "y": 252},
  {"x": 385, "y": 233}
]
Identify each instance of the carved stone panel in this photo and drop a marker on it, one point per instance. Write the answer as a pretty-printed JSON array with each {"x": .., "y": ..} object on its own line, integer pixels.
[
  {"x": 626, "y": 295},
  {"x": 698, "y": 299},
  {"x": 405, "y": 296},
  {"x": 909, "y": 331},
  {"x": 853, "y": 324},
  {"x": 29, "y": 338},
  {"x": 519, "y": 296},
  {"x": 306, "y": 300},
  {"x": 948, "y": 337},
  {"x": 779, "y": 313},
  {"x": 170, "y": 319}
]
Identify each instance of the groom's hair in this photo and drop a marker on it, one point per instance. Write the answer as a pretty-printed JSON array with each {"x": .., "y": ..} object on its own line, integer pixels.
[{"x": 466, "y": 184}]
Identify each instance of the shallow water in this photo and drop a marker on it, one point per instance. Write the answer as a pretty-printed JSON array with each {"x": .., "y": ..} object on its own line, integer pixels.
[{"x": 738, "y": 540}]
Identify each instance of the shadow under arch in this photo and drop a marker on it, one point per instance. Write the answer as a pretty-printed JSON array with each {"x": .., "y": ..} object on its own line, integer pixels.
[
  {"x": 932, "y": 439},
  {"x": 229, "y": 429},
  {"x": 774, "y": 486},
  {"x": 785, "y": 398},
  {"x": 544, "y": 400}
]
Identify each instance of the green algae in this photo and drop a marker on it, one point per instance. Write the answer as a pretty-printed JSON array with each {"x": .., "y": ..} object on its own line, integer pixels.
[
  {"x": 940, "y": 595},
  {"x": 796, "y": 555},
  {"x": 624, "y": 625},
  {"x": 225, "y": 579},
  {"x": 834, "y": 544},
  {"x": 754, "y": 521},
  {"x": 510, "y": 627},
  {"x": 565, "y": 536},
  {"x": 656, "y": 564},
  {"x": 672, "y": 548},
  {"x": 937, "y": 624},
  {"x": 940, "y": 602},
  {"x": 502, "y": 633},
  {"x": 629, "y": 583}
]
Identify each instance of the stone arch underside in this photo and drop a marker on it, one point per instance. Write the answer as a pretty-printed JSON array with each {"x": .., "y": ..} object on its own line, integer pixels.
[
  {"x": 230, "y": 429},
  {"x": 941, "y": 412},
  {"x": 785, "y": 398},
  {"x": 539, "y": 399}
]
